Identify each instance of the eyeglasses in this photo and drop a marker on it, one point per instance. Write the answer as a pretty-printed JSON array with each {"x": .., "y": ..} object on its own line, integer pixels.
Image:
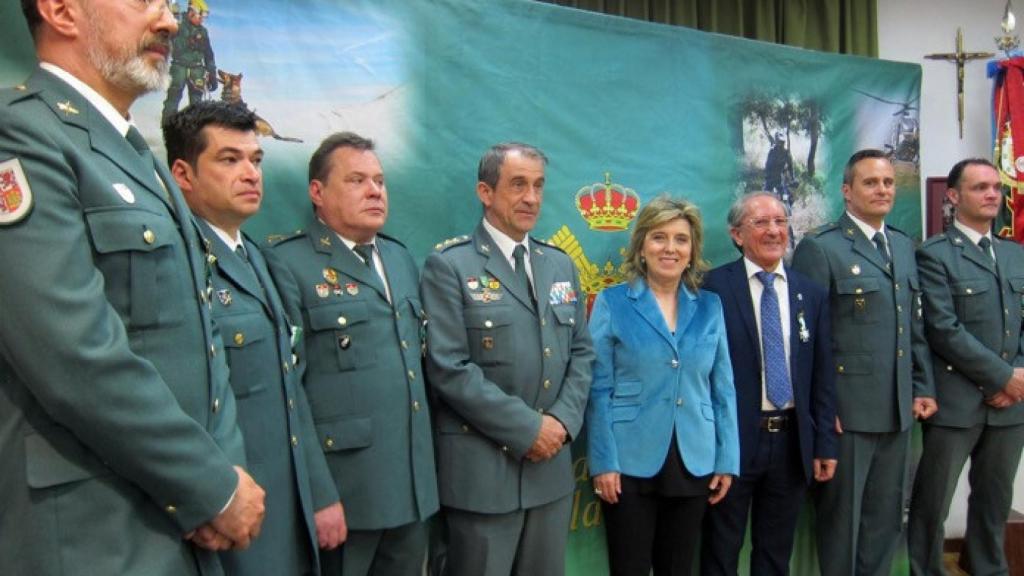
[{"x": 764, "y": 223}]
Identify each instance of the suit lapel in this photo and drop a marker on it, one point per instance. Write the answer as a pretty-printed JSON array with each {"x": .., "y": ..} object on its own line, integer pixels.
[
  {"x": 739, "y": 291},
  {"x": 498, "y": 267},
  {"x": 344, "y": 260},
  {"x": 970, "y": 251},
  {"x": 796, "y": 314},
  {"x": 231, "y": 267},
  {"x": 269, "y": 292},
  {"x": 647, "y": 308},
  {"x": 543, "y": 276},
  {"x": 73, "y": 109},
  {"x": 862, "y": 245}
]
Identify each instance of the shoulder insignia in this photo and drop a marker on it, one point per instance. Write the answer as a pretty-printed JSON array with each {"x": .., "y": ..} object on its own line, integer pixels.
[
  {"x": 275, "y": 239},
  {"x": 392, "y": 239},
  {"x": 823, "y": 229},
  {"x": 21, "y": 87},
  {"x": 897, "y": 230},
  {"x": 15, "y": 193},
  {"x": 456, "y": 241},
  {"x": 547, "y": 245}
]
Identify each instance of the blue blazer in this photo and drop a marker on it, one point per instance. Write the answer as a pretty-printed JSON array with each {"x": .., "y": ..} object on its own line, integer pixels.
[
  {"x": 810, "y": 362},
  {"x": 649, "y": 383}
]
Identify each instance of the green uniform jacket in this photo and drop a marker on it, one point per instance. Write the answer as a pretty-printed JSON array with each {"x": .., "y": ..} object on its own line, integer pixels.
[
  {"x": 973, "y": 324},
  {"x": 363, "y": 373},
  {"x": 280, "y": 443},
  {"x": 117, "y": 424},
  {"x": 878, "y": 343},
  {"x": 496, "y": 365}
]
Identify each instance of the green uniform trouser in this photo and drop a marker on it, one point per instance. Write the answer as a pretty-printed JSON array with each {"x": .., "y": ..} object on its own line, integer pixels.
[
  {"x": 399, "y": 551},
  {"x": 995, "y": 453}
]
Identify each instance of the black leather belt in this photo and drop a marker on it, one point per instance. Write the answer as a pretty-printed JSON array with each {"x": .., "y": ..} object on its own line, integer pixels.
[{"x": 776, "y": 422}]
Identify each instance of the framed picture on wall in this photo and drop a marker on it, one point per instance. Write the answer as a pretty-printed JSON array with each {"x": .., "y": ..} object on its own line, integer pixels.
[{"x": 940, "y": 211}]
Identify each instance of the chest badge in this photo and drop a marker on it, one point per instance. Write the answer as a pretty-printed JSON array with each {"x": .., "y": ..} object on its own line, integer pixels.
[
  {"x": 331, "y": 275},
  {"x": 225, "y": 297},
  {"x": 352, "y": 288},
  {"x": 323, "y": 290},
  {"x": 855, "y": 269}
]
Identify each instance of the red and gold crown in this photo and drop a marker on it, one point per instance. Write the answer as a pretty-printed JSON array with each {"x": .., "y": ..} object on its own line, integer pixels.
[{"x": 606, "y": 206}]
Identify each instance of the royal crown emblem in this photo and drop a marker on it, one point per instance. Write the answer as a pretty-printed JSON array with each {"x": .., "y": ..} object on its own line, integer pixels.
[{"x": 607, "y": 206}]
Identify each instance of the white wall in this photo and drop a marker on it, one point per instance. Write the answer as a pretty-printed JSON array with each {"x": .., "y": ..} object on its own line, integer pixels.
[{"x": 909, "y": 29}]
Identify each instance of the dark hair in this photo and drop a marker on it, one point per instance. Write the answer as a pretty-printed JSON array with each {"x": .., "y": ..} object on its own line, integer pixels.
[
  {"x": 319, "y": 165},
  {"x": 30, "y": 8},
  {"x": 489, "y": 170},
  {"x": 857, "y": 157},
  {"x": 183, "y": 132},
  {"x": 956, "y": 173}
]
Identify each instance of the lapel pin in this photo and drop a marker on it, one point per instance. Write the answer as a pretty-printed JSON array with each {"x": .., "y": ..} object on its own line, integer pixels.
[
  {"x": 855, "y": 269},
  {"x": 67, "y": 108},
  {"x": 325, "y": 241},
  {"x": 485, "y": 248},
  {"x": 224, "y": 296}
]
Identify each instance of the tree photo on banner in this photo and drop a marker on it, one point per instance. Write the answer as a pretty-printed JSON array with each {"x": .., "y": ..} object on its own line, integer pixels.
[{"x": 625, "y": 110}]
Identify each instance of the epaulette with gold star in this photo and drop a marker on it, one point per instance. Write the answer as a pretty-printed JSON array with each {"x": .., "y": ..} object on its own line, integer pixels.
[{"x": 456, "y": 241}]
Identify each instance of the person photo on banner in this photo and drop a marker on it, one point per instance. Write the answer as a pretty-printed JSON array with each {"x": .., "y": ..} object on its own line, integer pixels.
[{"x": 661, "y": 422}]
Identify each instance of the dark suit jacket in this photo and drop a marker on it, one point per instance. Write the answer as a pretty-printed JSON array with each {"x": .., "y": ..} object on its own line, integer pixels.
[
  {"x": 878, "y": 344},
  {"x": 117, "y": 424},
  {"x": 496, "y": 365},
  {"x": 810, "y": 361},
  {"x": 973, "y": 323},
  {"x": 281, "y": 446},
  {"x": 362, "y": 358}
]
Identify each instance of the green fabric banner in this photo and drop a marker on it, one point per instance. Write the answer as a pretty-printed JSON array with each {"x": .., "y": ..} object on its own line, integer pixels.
[{"x": 624, "y": 109}]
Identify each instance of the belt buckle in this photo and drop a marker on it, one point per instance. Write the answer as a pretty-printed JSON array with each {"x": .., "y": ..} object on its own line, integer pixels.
[{"x": 775, "y": 423}]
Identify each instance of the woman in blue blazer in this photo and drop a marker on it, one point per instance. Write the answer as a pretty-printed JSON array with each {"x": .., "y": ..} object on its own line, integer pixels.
[{"x": 663, "y": 440}]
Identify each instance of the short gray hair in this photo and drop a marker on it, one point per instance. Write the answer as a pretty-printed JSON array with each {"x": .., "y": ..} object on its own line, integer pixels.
[{"x": 739, "y": 207}]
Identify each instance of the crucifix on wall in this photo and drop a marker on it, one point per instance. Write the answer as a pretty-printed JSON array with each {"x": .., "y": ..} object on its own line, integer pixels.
[{"x": 960, "y": 58}]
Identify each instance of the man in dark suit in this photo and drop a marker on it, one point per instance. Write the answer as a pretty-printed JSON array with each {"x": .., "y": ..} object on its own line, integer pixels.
[
  {"x": 973, "y": 287},
  {"x": 119, "y": 436},
  {"x": 509, "y": 360},
  {"x": 215, "y": 157},
  {"x": 787, "y": 435},
  {"x": 883, "y": 376},
  {"x": 356, "y": 292}
]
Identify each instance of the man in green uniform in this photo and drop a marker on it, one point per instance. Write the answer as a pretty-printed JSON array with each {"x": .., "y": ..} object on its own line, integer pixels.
[
  {"x": 973, "y": 287},
  {"x": 509, "y": 360},
  {"x": 118, "y": 434},
  {"x": 356, "y": 292},
  {"x": 192, "y": 64},
  {"x": 215, "y": 157},
  {"x": 883, "y": 377}
]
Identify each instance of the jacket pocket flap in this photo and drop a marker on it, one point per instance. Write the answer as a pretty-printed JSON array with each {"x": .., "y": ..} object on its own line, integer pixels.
[
  {"x": 337, "y": 316},
  {"x": 240, "y": 330},
  {"x": 61, "y": 459},
  {"x": 1017, "y": 284},
  {"x": 345, "y": 434},
  {"x": 116, "y": 230},
  {"x": 855, "y": 364},
  {"x": 487, "y": 317},
  {"x": 968, "y": 287},
  {"x": 856, "y": 285},
  {"x": 628, "y": 388},
  {"x": 566, "y": 314}
]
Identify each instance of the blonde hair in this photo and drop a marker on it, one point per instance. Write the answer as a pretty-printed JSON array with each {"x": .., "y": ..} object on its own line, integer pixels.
[{"x": 658, "y": 211}]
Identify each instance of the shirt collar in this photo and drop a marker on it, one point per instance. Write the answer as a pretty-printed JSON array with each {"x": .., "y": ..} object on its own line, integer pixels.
[
  {"x": 867, "y": 229},
  {"x": 972, "y": 234},
  {"x": 506, "y": 244},
  {"x": 232, "y": 243},
  {"x": 752, "y": 269},
  {"x": 120, "y": 123}
]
